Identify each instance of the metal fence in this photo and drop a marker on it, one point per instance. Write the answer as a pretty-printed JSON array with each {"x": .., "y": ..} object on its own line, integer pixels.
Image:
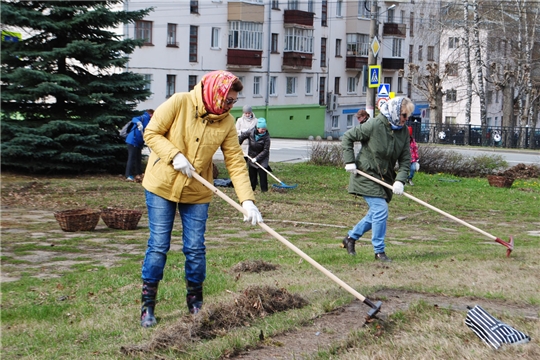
[{"x": 496, "y": 136}]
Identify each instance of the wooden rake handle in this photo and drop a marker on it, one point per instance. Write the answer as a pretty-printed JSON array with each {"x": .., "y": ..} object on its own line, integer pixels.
[
  {"x": 262, "y": 167},
  {"x": 430, "y": 206},
  {"x": 283, "y": 240}
]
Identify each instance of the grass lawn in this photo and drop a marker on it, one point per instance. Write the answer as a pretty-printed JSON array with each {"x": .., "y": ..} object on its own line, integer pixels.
[{"x": 77, "y": 295}]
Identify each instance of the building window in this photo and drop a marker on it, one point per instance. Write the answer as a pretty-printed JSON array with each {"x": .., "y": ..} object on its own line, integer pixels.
[
  {"x": 257, "y": 85},
  {"x": 357, "y": 45},
  {"x": 489, "y": 96},
  {"x": 171, "y": 85},
  {"x": 400, "y": 85},
  {"x": 364, "y": 9},
  {"x": 292, "y": 4},
  {"x": 496, "y": 97},
  {"x": 324, "y": 13},
  {"x": 275, "y": 40},
  {"x": 241, "y": 93},
  {"x": 411, "y": 25},
  {"x": 411, "y": 50},
  {"x": 388, "y": 80},
  {"x": 192, "y": 81},
  {"x": 171, "y": 35},
  {"x": 299, "y": 40},
  {"x": 453, "y": 42},
  {"x": 409, "y": 89},
  {"x": 451, "y": 95},
  {"x": 452, "y": 69},
  {"x": 309, "y": 85},
  {"x": 420, "y": 49},
  {"x": 275, "y": 4},
  {"x": 291, "y": 85},
  {"x": 193, "y": 40},
  {"x": 322, "y": 90},
  {"x": 323, "y": 52},
  {"x": 431, "y": 53},
  {"x": 350, "y": 120},
  {"x": 338, "y": 47},
  {"x": 396, "y": 47},
  {"x": 390, "y": 16},
  {"x": 143, "y": 30},
  {"x": 450, "y": 120},
  {"x": 339, "y": 8},
  {"x": 310, "y": 6},
  {"x": 351, "y": 85},
  {"x": 215, "y": 41},
  {"x": 335, "y": 122},
  {"x": 336, "y": 85},
  {"x": 194, "y": 7},
  {"x": 245, "y": 35},
  {"x": 365, "y": 82},
  {"x": 148, "y": 82},
  {"x": 273, "y": 85}
]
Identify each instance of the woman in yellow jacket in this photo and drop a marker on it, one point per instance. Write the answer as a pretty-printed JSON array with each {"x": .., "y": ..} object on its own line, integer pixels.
[{"x": 184, "y": 133}]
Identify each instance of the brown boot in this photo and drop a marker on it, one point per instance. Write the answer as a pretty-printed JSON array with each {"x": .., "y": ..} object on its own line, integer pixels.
[{"x": 348, "y": 243}]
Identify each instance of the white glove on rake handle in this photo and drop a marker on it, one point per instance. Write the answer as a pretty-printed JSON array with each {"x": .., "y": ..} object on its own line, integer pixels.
[
  {"x": 253, "y": 213},
  {"x": 398, "y": 188},
  {"x": 350, "y": 168},
  {"x": 180, "y": 163}
]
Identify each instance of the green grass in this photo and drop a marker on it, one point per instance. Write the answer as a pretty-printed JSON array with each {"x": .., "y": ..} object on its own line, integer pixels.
[{"x": 91, "y": 308}]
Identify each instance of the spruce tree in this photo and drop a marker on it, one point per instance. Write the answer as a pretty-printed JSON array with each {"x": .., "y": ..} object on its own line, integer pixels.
[{"x": 65, "y": 91}]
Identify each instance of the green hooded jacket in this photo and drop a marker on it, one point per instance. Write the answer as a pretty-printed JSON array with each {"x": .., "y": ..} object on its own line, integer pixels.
[{"x": 382, "y": 147}]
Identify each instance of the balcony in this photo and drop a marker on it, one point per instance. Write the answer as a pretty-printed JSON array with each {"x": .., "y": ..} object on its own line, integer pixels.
[
  {"x": 393, "y": 29},
  {"x": 355, "y": 62},
  {"x": 298, "y": 17},
  {"x": 393, "y": 63},
  {"x": 244, "y": 58},
  {"x": 296, "y": 60}
]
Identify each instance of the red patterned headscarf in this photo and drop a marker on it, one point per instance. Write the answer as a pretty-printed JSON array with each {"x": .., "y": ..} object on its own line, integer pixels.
[{"x": 215, "y": 87}]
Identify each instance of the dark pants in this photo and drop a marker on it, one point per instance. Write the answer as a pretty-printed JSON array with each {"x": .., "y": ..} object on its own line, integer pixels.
[
  {"x": 134, "y": 162},
  {"x": 253, "y": 172}
]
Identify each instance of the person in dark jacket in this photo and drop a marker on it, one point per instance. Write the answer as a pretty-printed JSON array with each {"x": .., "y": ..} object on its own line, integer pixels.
[
  {"x": 258, "y": 152},
  {"x": 135, "y": 143},
  {"x": 385, "y": 141}
]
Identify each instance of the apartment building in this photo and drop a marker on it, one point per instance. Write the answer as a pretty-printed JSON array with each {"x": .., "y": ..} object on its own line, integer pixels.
[{"x": 303, "y": 63}]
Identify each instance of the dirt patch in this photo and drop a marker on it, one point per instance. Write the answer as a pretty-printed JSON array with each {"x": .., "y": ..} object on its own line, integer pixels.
[
  {"x": 521, "y": 171},
  {"x": 255, "y": 266},
  {"x": 334, "y": 328},
  {"x": 213, "y": 321}
]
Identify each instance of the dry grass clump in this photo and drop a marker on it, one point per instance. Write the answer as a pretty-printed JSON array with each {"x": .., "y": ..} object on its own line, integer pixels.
[
  {"x": 255, "y": 266},
  {"x": 214, "y": 321},
  {"x": 435, "y": 160},
  {"x": 323, "y": 153}
]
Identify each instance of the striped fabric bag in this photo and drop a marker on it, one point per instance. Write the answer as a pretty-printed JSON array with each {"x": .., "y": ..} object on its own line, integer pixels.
[{"x": 492, "y": 331}]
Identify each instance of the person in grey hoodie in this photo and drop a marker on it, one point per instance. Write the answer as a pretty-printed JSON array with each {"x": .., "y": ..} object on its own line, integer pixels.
[{"x": 385, "y": 141}]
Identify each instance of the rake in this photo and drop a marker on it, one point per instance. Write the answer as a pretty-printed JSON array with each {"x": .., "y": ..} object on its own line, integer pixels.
[
  {"x": 509, "y": 245},
  {"x": 375, "y": 308},
  {"x": 281, "y": 185}
]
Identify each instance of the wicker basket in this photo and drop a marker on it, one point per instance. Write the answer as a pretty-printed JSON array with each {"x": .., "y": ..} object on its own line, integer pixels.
[
  {"x": 77, "y": 219},
  {"x": 500, "y": 181},
  {"x": 121, "y": 218}
]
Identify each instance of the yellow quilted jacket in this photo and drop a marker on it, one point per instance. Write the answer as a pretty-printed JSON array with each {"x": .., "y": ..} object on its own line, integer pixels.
[{"x": 181, "y": 124}]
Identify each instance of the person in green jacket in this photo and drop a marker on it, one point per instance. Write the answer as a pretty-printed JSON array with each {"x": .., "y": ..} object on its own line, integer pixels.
[
  {"x": 184, "y": 133},
  {"x": 385, "y": 141}
]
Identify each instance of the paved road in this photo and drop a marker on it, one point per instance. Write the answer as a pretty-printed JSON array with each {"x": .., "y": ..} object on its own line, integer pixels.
[{"x": 291, "y": 151}]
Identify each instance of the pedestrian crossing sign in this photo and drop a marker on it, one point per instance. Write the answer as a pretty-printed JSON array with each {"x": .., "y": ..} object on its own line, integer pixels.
[
  {"x": 384, "y": 90},
  {"x": 374, "y": 76}
]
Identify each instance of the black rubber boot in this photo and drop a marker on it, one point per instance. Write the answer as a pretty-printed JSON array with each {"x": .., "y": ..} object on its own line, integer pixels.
[
  {"x": 348, "y": 243},
  {"x": 194, "y": 297},
  {"x": 148, "y": 300}
]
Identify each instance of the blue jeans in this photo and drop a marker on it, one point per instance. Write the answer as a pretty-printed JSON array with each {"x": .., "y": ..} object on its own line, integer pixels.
[
  {"x": 161, "y": 214},
  {"x": 375, "y": 220},
  {"x": 412, "y": 170}
]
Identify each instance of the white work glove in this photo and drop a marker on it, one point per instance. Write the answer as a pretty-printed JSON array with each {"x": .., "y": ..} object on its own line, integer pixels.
[
  {"x": 416, "y": 166},
  {"x": 398, "y": 188},
  {"x": 253, "y": 213},
  {"x": 140, "y": 127},
  {"x": 254, "y": 160},
  {"x": 180, "y": 163},
  {"x": 350, "y": 168}
]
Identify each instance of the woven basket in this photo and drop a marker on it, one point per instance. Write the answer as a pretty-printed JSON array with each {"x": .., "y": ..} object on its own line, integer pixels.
[
  {"x": 121, "y": 218},
  {"x": 77, "y": 219},
  {"x": 500, "y": 181}
]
